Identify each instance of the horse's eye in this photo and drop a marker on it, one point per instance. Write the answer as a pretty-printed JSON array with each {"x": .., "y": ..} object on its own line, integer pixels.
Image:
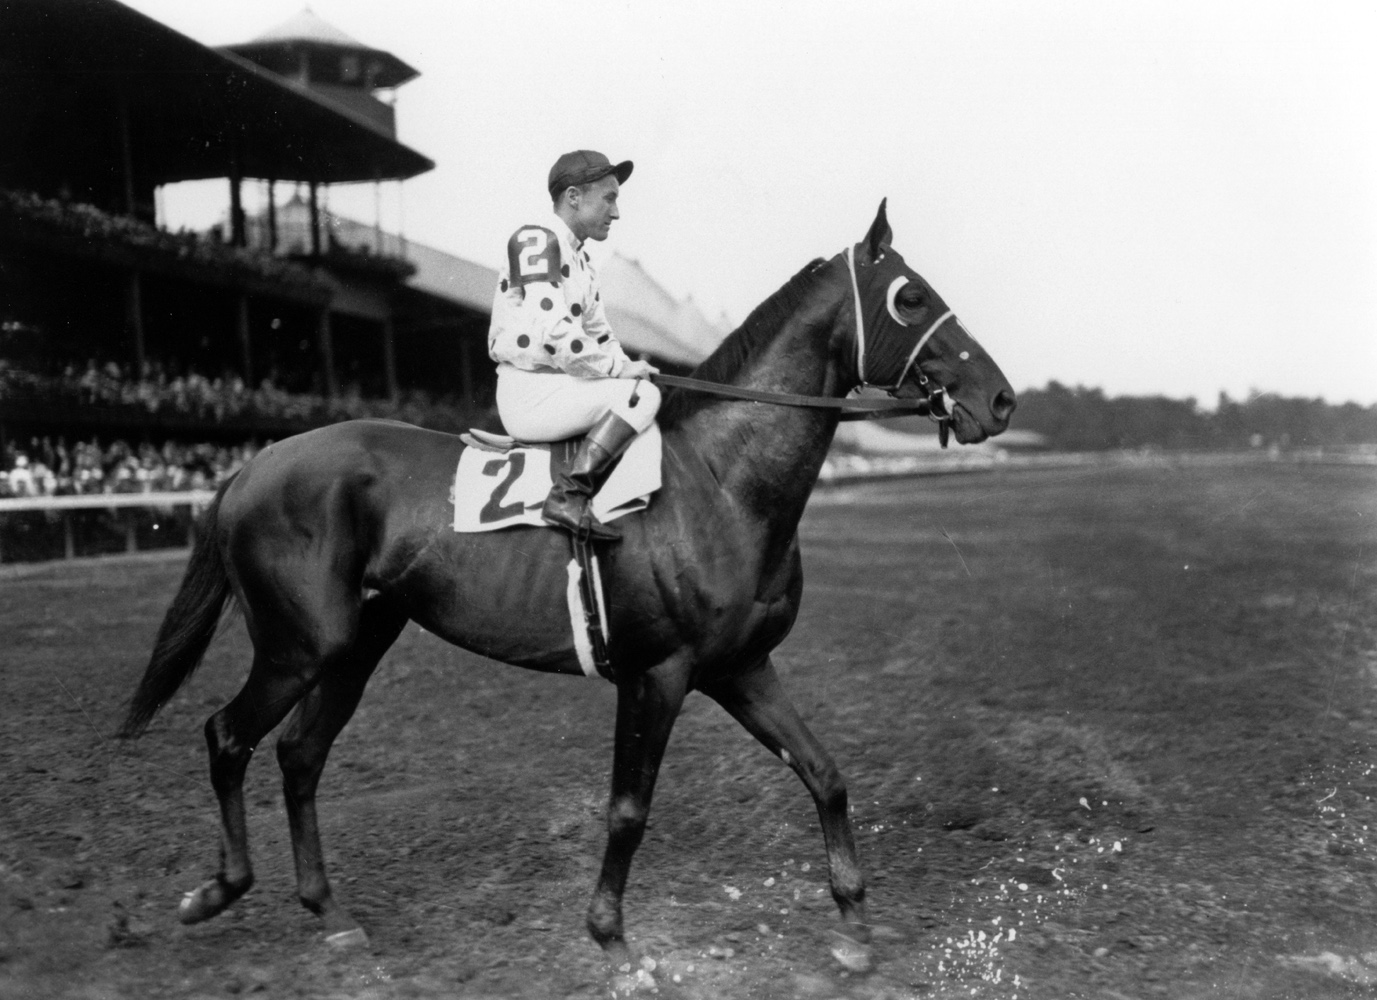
[{"x": 901, "y": 293}]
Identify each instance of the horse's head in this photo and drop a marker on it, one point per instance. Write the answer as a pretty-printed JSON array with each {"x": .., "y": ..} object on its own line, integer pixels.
[{"x": 909, "y": 343}]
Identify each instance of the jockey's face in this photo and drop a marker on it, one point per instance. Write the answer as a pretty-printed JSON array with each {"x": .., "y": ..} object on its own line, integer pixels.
[{"x": 592, "y": 208}]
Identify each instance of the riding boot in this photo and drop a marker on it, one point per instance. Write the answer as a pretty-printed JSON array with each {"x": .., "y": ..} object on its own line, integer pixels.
[{"x": 567, "y": 506}]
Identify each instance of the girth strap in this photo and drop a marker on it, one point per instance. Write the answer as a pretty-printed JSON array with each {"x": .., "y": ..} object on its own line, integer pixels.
[{"x": 588, "y": 610}]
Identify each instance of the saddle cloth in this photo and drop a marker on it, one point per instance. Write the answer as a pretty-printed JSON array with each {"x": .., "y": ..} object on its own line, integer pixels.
[{"x": 496, "y": 488}]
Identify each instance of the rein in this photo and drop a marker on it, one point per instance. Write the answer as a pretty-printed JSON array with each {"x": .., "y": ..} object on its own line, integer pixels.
[{"x": 851, "y": 408}]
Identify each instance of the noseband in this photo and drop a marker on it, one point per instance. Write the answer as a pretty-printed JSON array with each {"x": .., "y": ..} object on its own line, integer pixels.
[{"x": 939, "y": 402}]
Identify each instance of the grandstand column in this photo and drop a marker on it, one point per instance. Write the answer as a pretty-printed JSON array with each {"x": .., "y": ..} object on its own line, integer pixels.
[
  {"x": 272, "y": 215},
  {"x": 389, "y": 344},
  {"x": 236, "y": 182},
  {"x": 242, "y": 325},
  {"x": 315, "y": 220},
  {"x": 126, "y": 151},
  {"x": 133, "y": 315},
  {"x": 327, "y": 353}
]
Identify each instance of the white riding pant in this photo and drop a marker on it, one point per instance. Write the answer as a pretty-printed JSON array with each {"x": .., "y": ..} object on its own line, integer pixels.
[{"x": 552, "y": 406}]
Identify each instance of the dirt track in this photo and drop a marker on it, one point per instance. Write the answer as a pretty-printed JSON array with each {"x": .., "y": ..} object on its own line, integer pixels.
[{"x": 1127, "y": 713}]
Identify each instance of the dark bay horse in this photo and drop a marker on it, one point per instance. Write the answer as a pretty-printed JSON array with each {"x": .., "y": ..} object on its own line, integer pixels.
[{"x": 332, "y": 540}]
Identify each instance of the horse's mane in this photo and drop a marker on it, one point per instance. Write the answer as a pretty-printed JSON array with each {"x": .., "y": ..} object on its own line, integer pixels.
[{"x": 761, "y": 327}]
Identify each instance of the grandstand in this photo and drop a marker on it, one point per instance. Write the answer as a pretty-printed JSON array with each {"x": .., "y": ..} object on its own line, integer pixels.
[{"x": 133, "y": 358}]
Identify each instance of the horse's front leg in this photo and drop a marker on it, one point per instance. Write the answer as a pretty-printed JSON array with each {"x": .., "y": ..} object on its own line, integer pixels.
[
  {"x": 647, "y": 706},
  {"x": 756, "y": 699}
]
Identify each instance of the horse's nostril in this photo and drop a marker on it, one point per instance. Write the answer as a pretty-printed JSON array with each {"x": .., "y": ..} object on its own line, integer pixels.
[{"x": 1003, "y": 404}]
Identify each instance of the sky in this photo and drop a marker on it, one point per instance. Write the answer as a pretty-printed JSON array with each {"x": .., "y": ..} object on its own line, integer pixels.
[{"x": 1146, "y": 197}]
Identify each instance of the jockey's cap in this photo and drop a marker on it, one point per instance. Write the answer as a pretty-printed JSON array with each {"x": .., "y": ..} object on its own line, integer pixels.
[{"x": 584, "y": 166}]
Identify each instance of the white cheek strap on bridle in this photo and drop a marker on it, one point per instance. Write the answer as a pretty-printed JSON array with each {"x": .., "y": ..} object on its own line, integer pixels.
[{"x": 913, "y": 355}]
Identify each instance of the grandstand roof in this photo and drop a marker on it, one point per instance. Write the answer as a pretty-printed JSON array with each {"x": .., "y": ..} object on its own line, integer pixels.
[
  {"x": 308, "y": 26},
  {"x": 277, "y": 46},
  {"x": 73, "y": 73},
  {"x": 643, "y": 300}
]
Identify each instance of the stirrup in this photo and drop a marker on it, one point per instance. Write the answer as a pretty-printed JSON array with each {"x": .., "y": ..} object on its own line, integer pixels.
[
  {"x": 589, "y": 530},
  {"x": 592, "y": 530},
  {"x": 586, "y": 529}
]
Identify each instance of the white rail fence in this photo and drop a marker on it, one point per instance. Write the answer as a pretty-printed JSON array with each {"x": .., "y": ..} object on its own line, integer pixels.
[{"x": 120, "y": 505}]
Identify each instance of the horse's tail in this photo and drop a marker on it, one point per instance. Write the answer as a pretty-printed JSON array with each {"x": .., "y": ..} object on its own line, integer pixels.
[{"x": 188, "y": 627}]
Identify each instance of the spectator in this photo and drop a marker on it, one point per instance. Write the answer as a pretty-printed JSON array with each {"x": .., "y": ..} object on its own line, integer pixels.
[{"x": 21, "y": 481}]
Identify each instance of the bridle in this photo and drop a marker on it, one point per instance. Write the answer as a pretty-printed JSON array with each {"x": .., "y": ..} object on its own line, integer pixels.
[
  {"x": 935, "y": 402},
  {"x": 934, "y": 394}
]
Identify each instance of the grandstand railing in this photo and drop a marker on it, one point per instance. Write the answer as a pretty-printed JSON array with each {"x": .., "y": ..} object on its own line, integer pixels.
[{"x": 41, "y": 526}]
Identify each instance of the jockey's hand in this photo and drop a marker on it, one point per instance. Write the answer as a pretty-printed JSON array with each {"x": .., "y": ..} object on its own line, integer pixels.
[{"x": 638, "y": 369}]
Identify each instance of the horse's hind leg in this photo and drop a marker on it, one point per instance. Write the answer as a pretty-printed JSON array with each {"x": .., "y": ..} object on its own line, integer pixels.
[
  {"x": 756, "y": 699},
  {"x": 302, "y": 618},
  {"x": 232, "y": 735},
  {"x": 303, "y": 747}
]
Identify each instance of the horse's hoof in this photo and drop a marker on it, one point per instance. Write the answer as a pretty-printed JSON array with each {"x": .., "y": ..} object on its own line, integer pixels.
[
  {"x": 347, "y": 940},
  {"x": 852, "y": 955},
  {"x": 203, "y": 902}
]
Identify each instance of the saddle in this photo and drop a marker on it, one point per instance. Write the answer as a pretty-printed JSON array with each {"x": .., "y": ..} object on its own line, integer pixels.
[
  {"x": 489, "y": 441},
  {"x": 502, "y": 482}
]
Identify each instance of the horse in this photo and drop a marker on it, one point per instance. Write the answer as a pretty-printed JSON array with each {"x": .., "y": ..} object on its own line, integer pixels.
[{"x": 332, "y": 540}]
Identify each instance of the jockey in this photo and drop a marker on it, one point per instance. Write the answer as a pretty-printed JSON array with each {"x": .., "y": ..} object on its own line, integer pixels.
[{"x": 560, "y": 371}]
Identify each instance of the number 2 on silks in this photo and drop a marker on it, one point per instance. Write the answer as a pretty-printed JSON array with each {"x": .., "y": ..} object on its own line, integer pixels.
[
  {"x": 533, "y": 255},
  {"x": 494, "y": 509}
]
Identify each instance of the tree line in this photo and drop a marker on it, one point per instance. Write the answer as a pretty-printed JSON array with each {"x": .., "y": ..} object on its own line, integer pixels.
[{"x": 1081, "y": 419}]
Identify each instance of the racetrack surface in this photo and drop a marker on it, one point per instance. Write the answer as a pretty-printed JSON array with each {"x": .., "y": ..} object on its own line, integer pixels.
[{"x": 1127, "y": 714}]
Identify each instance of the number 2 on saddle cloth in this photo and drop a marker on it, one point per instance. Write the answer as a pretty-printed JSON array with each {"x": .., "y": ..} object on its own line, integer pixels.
[{"x": 495, "y": 509}]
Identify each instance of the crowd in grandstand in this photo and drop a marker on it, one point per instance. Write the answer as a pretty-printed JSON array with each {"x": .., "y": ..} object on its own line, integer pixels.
[
  {"x": 159, "y": 390},
  {"x": 48, "y": 468},
  {"x": 63, "y": 219}
]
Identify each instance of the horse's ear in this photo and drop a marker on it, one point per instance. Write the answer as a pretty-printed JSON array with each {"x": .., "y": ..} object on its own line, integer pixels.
[{"x": 880, "y": 234}]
